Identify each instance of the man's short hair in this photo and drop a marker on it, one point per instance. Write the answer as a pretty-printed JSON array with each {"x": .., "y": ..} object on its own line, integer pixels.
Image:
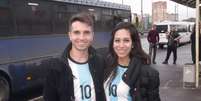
[
  {"x": 84, "y": 17},
  {"x": 173, "y": 28}
]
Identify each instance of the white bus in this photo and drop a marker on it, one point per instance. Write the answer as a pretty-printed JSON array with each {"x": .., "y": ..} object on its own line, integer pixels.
[{"x": 183, "y": 28}]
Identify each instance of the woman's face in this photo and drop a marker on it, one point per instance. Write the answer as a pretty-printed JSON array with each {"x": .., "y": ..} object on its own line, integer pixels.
[{"x": 122, "y": 43}]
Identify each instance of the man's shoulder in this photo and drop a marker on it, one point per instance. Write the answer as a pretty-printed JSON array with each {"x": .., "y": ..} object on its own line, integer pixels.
[
  {"x": 54, "y": 64},
  {"x": 102, "y": 53},
  {"x": 150, "y": 31},
  {"x": 99, "y": 58},
  {"x": 155, "y": 31},
  {"x": 177, "y": 33}
]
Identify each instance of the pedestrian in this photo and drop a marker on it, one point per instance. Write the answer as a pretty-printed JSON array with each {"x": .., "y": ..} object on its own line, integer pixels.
[
  {"x": 78, "y": 74},
  {"x": 173, "y": 39},
  {"x": 153, "y": 39},
  {"x": 128, "y": 75},
  {"x": 193, "y": 53}
]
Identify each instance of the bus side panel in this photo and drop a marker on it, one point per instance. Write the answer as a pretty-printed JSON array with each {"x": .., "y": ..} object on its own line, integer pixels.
[
  {"x": 25, "y": 61},
  {"x": 27, "y": 56},
  {"x": 33, "y": 41},
  {"x": 27, "y": 75}
]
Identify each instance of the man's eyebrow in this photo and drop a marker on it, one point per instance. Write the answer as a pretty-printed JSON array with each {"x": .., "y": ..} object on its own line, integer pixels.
[
  {"x": 86, "y": 31},
  {"x": 76, "y": 31}
]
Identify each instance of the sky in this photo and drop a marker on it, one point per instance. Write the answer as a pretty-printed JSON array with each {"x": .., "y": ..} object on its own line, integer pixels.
[{"x": 183, "y": 11}]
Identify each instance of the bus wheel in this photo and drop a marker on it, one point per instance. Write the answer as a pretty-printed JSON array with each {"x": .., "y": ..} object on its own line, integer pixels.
[
  {"x": 4, "y": 89},
  {"x": 161, "y": 46}
]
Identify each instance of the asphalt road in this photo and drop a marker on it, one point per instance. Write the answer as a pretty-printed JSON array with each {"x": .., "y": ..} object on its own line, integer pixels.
[{"x": 171, "y": 77}]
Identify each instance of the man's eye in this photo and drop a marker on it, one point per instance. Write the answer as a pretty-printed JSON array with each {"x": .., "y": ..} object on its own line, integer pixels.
[
  {"x": 87, "y": 32},
  {"x": 117, "y": 40},
  {"x": 76, "y": 32}
]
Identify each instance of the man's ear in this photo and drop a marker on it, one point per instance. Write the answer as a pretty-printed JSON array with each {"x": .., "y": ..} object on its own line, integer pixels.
[
  {"x": 93, "y": 34},
  {"x": 69, "y": 35}
]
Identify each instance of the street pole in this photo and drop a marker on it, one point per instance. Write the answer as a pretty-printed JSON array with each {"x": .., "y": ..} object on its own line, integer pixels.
[
  {"x": 187, "y": 11},
  {"x": 142, "y": 22},
  {"x": 197, "y": 42},
  {"x": 175, "y": 11}
]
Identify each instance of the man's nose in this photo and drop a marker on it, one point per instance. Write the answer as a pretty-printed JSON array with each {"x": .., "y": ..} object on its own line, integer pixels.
[{"x": 81, "y": 36}]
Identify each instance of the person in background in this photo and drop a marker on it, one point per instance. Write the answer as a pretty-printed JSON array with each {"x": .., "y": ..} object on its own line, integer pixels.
[
  {"x": 173, "y": 39},
  {"x": 153, "y": 39},
  {"x": 193, "y": 54},
  {"x": 128, "y": 75},
  {"x": 77, "y": 75}
]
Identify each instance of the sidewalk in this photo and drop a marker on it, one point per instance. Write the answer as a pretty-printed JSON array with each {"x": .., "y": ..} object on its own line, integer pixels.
[{"x": 171, "y": 77}]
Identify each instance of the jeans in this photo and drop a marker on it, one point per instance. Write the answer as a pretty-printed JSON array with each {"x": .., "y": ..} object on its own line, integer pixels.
[
  {"x": 169, "y": 50},
  {"x": 152, "y": 51}
]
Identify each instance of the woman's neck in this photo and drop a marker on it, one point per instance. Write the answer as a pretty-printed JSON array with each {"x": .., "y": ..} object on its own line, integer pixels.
[{"x": 124, "y": 61}]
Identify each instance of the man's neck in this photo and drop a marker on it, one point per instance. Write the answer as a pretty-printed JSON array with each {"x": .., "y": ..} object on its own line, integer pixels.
[{"x": 79, "y": 56}]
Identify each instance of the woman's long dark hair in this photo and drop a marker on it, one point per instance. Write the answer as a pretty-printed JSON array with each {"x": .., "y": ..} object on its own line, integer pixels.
[{"x": 136, "y": 50}]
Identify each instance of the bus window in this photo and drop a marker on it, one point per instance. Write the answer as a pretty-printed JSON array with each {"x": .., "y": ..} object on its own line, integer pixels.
[
  {"x": 181, "y": 28},
  {"x": 5, "y": 19},
  {"x": 190, "y": 28},
  {"x": 3, "y": 3},
  {"x": 162, "y": 28}
]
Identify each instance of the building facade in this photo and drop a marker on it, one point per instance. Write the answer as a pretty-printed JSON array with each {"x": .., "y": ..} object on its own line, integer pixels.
[
  {"x": 172, "y": 17},
  {"x": 159, "y": 11}
]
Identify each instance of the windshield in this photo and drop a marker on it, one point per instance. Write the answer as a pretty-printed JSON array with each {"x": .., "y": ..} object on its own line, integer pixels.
[{"x": 161, "y": 28}]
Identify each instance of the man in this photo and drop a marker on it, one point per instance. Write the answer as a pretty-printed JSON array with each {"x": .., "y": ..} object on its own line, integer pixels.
[
  {"x": 77, "y": 75},
  {"x": 173, "y": 38},
  {"x": 153, "y": 39},
  {"x": 193, "y": 45}
]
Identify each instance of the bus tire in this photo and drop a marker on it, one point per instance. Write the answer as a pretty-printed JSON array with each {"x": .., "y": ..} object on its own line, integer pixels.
[
  {"x": 161, "y": 46},
  {"x": 4, "y": 89}
]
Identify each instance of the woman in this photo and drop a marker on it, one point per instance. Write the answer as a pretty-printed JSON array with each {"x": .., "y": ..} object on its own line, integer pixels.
[{"x": 128, "y": 77}]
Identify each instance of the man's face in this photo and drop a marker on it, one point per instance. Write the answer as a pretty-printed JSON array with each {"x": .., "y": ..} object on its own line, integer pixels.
[
  {"x": 81, "y": 36},
  {"x": 154, "y": 27}
]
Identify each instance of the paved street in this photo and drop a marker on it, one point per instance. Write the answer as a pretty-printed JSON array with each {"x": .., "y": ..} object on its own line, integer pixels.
[{"x": 171, "y": 77}]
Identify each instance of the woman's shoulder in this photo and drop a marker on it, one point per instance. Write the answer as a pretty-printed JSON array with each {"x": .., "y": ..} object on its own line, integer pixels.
[{"x": 149, "y": 70}]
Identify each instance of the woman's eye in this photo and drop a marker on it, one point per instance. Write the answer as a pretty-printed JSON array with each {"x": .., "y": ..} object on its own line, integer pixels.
[{"x": 127, "y": 40}]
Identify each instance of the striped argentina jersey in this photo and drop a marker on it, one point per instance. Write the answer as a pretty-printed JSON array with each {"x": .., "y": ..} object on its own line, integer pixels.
[
  {"x": 117, "y": 90},
  {"x": 83, "y": 83}
]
